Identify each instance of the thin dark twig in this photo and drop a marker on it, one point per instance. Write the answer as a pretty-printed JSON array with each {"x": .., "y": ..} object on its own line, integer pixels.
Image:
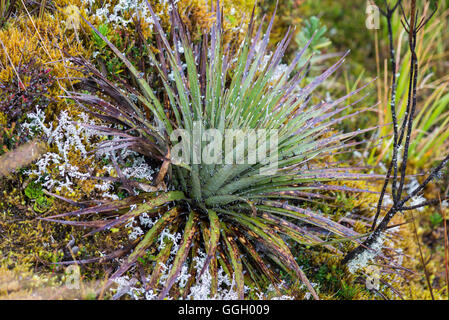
[
  {"x": 393, "y": 164},
  {"x": 411, "y": 103},
  {"x": 426, "y": 20},
  {"x": 432, "y": 202},
  {"x": 398, "y": 202}
]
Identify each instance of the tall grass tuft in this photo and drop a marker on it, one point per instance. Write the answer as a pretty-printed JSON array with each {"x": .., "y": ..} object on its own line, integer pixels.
[
  {"x": 431, "y": 123},
  {"x": 245, "y": 216}
]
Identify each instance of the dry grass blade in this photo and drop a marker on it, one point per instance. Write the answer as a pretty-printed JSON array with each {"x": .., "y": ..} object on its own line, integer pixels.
[
  {"x": 426, "y": 273},
  {"x": 22, "y": 156},
  {"x": 446, "y": 245}
]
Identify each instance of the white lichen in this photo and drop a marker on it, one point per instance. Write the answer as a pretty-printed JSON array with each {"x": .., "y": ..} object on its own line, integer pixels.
[
  {"x": 117, "y": 13},
  {"x": 200, "y": 290},
  {"x": 66, "y": 137},
  {"x": 362, "y": 260},
  {"x": 57, "y": 171},
  {"x": 417, "y": 199}
]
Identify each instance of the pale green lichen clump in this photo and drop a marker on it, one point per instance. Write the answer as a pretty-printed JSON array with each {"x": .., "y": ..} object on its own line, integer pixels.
[{"x": 362, "y": 260}]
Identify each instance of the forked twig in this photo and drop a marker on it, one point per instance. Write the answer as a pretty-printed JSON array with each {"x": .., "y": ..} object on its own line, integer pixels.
[{"x": 399, "y": 202}]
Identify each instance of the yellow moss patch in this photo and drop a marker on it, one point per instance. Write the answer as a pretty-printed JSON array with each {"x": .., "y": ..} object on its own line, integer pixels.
[{"x": 43, "y": 40}]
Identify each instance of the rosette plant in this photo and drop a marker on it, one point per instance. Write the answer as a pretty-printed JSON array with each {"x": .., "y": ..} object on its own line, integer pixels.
[{"x": 243, "y": 215}]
